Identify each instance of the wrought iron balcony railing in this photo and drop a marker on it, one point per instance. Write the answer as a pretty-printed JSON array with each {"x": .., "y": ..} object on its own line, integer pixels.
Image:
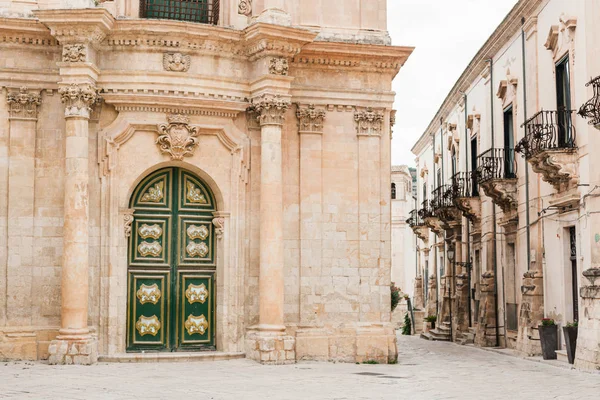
[
  {"x": 203, "y": 11},
  {"x": 496, "y": 164},
  {"x": 591, "y": 108},
  {"x": 443, "y": 197},
  {"x": 415, "y": 219},
  {"x": 426, "y": 211},
  {"x": 464, "y": 184},
  {"x": 547, "y": 130}
]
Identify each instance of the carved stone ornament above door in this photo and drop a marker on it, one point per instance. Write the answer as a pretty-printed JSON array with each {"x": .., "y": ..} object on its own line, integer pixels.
[{"x": 177, "y": 138}]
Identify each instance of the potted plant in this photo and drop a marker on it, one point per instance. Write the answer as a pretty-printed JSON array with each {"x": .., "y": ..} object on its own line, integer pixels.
[
  {"x": 549, "y": 338},
  {"x": 430, "y": 319},
  {"x": 395, "y": 295},
  {"x": 570, "y": 332}
]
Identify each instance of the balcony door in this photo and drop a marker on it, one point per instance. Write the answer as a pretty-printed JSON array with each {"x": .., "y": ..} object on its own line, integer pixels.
[
  {"x": 563, "y": 102},
  {"x": 509, "y": 144}
]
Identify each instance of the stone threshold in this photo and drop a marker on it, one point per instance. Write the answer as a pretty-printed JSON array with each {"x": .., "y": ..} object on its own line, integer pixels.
[{"x": 171, "y": 357}]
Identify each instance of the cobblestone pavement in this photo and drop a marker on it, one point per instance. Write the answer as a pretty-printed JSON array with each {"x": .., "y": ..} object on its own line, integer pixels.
[{"x": 426, "y": 370}]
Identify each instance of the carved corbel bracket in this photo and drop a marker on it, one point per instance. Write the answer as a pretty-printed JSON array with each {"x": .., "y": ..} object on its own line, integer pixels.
[
  {"x": 503, "y": 193},
  {"x": 557, "y": 167},
  {"x": 127, "y": 221}
]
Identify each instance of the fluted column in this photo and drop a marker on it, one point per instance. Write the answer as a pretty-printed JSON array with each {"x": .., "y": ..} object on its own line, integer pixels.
[{"x": 74, "y": 344}]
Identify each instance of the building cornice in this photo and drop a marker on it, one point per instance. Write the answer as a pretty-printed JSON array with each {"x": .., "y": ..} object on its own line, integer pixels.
[{"x": 504, "y": 33}]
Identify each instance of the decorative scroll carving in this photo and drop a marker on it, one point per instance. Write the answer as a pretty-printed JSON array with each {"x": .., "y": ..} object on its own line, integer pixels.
[
  {"x": 153, "y": 249},
  {"x": 154, "y": 194},
  {"x": 194, "y": 194},
  {"x": 558, "y": 168},
  {"x": 368, "y": 122},
  {"x": 150, "y": 231},
  {"x": 310, "y": 119},
  {"x": 196, "y": 325},
  {"x": 176, "y": 62},
  {"x": 177, "y": 138},
  {"x": 392, "y": 122},
  {"x": 197, "y": 249},
  {"x": 128, "y": 220},
  {"x": 270, "y": 109},
  {"x": 23, "y": 104},
  {"x": 196, "y": 294},
  {"x": 148, "y": 294},
  {"x": 279, "y": 66},
  {"x": 197, "y": 232},
  {"x": 245, "y": 7},
  {"x": 74, "y": 53},
  {"x": 219, "y": 224},
  {"x": 148, "y": 325},
  {"x": 79, "y": 99}
]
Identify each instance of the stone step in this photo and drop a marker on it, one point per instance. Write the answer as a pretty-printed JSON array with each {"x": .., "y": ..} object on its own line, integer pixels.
[
  {"x": 561, "y": 355},
  {"x": 171, "y": 357}
]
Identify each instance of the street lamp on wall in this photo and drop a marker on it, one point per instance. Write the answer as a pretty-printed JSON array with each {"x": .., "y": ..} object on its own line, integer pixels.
[{"x": 451, "y": 254}]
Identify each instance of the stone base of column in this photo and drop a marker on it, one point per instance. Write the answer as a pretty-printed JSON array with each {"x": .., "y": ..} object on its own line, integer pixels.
[
  {"x": 271, "y": 348},
  {"x": 73, "y": 351}
]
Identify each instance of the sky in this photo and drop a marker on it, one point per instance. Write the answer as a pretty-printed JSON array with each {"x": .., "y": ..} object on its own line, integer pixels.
[{"x": 446, "y": 35}]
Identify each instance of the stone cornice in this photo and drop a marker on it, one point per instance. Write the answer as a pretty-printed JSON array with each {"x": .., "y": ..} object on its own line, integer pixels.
[
  {"x": 503, "y": 34},
  {"x": 334, "y": 55},
  {"x": 25, "y": 32},
  {"x": 77, "y": 25},
  {"x": 264, "y": 40}
]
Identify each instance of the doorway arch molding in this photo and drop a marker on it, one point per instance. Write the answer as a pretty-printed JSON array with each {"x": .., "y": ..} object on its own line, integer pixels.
[{"x": 223, "y": 167}]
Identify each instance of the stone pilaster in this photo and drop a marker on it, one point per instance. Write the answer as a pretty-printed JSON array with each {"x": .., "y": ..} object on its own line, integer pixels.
[
  {"x": 23, "y": 111},
  {"x": 531, "y": 313},
  {"x": 268, "y": 342},
  {"x": 310, "y": 129},
  {"x": 75, "y": 345}
]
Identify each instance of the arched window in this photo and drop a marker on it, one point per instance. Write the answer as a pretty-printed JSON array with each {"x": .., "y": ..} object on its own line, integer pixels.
[
  {"x": 393, "y": 191},
  {"x": 203, "y": 11}
]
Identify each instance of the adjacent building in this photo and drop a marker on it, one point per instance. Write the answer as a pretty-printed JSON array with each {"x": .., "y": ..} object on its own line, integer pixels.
[
  {"x": 508, "y": 185},
  {"x": 196, "y": 179}
]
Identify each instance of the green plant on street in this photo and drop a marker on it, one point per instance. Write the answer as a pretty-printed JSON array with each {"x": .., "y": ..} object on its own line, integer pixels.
[{"x": 407, "y": 328}]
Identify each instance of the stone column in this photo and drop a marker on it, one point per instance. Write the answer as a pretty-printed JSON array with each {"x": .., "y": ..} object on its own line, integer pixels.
[
  {"x": 268, "y": 344},
  {"x": 75, "y": 345}
]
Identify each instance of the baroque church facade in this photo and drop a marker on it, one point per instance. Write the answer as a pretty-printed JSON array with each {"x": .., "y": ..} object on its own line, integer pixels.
[{"x": 196, "y": 179}]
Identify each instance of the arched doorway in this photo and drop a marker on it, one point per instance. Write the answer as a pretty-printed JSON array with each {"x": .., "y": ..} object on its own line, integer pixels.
[{"x": 171, "y": 264}]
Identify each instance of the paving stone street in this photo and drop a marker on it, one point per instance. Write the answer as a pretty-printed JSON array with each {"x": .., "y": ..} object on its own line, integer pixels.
[{"x": 426, "y": 370}]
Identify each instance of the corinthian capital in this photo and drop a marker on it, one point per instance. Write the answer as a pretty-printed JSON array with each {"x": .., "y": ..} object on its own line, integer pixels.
[
  {"x": 270, "y": 110},
  {"x": 23, "y": 104},
  {"x": 78, "y": 99},
  {"x": 368, "y": 122},
  {"x": 310, "y": 119}
]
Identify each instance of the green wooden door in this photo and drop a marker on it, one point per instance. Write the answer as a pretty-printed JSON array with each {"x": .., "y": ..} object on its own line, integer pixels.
[{"x": 171, "y": 264}]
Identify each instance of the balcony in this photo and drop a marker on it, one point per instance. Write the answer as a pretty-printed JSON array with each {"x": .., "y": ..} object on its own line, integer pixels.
[
  {"x": 549, "y": 146},
  {"x": 497, "y": 176},
  {"x": 418, "y": 226},
  {"x": 202, "y": 11},
  {"x": 444, "y": 208},
  {"x": 429, "y": 218},
  {"x": 591, "y": 109},
  {"x": 466, "y": 195}
]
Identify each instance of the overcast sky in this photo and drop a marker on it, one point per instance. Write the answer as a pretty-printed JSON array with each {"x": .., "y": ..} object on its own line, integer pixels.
[{"x": 447, "y": 35}]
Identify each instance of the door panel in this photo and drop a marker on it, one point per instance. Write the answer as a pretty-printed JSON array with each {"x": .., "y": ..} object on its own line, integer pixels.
[
  {"x": 148, "y": 314},
  {"x": 171, "y": 264},
  {"x": 195, "y": 319}
]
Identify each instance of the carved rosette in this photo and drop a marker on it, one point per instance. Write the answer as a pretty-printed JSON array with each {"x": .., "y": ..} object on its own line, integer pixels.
[
  {"x": 79, "y": 99},
  {"x": 74, "y": 53},
  {"x": 279, "y": 66},
  {"x": 23, "y": 104},
  {"x": 177, "y": 138},
  {"x": 219, "y": 224},
  {"x": 310, "y": 119},
  {"x": 176, "y": 62},
  {"x": 270, "y": 110},
  {"x": 245, "y": 7},
  {"x": 368, "y": 122}
]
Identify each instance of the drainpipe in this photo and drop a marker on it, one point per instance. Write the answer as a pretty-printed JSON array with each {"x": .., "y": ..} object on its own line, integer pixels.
[
  {"x": 494, "y": 249},
  {"x": 467, "y": 143},
  {"x": 527, "y": 221},
  {"x": 448, "y": 283}
]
